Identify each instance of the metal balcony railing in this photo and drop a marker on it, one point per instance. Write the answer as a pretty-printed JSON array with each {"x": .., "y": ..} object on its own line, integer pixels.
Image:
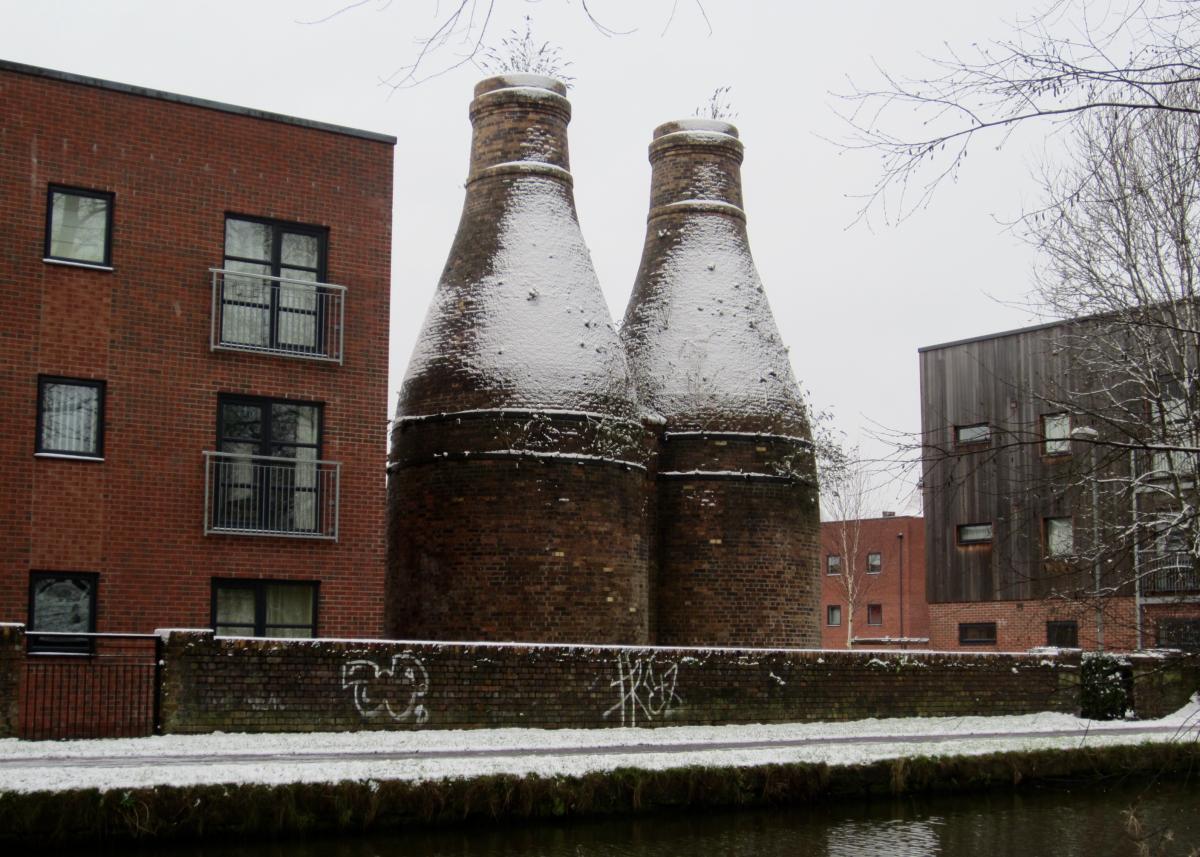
[
  {"x": 259, "y": 495},
  {"x": 1170, "y": 572},
  {"x": 277, "y": 315}
]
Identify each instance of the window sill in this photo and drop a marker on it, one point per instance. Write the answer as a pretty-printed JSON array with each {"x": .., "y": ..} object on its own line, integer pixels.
[
  {"x": 66, "y": 457},
  {"x": 91, "y": 266}
]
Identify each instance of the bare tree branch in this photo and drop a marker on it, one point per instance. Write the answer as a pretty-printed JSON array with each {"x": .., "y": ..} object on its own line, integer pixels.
[{"x": 1074, "y": 59}]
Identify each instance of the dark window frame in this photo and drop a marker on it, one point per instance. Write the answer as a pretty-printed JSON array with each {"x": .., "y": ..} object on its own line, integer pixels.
[
  {"x": 963, "y": 628},
  {"x": 38, "y": 643},
  {"x": 1062, "y": 625},
  {"x": 259, "y": 586},
  {"x": 879, "y": 609},
  {"x": 265, "y": 441},
  {"x": 108, "y": 196},
  {"x": 958, "y": 533},
  {"x": 878, "y": 569},
  {"x": 829, "y": 611},
  {"x": 278, "y": 229},
  {"x": 829, "y": 564},
  {"x": 100, "y": 386},
  {"x": 959, "y": 443}
]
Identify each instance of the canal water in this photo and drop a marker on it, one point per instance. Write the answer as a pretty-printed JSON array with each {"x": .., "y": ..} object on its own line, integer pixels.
[{"x": 1058, "y": 821}]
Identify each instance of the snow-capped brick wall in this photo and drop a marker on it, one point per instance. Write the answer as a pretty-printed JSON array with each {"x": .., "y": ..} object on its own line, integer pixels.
[
  {"x": 259, "y": 685},
  {"x": 1162, "y": 683},
  {"x": 12, "y": 653}
]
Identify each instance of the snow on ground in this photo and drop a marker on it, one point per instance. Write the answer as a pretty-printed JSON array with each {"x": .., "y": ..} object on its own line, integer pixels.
[{"x": 167, "y": 760}]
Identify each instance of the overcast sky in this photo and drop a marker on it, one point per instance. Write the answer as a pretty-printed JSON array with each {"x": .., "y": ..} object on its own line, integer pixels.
[{"x": 853, "y": 302}]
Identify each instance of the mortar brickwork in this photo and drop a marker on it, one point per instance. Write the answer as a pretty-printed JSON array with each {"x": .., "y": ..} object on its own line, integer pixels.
[
  {"x": 12, "y": 656},
  {"x": 898, "y": 588},
  {"x": 279, "y": 685},
  {"x": 1021, "y": 625},
  {"x": 176, "y": 169}
]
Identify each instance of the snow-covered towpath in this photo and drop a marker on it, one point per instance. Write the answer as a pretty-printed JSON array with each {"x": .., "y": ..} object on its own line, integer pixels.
[{"x": 323, "y": 757}]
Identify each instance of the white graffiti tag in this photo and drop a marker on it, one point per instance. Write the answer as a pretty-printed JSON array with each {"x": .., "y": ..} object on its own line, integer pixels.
[
  {"x": 395, "y": 691},
  {"x": 644, "y": 688}
]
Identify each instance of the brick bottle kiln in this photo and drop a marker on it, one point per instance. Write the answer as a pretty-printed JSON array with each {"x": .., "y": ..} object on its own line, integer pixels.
[
  {"x": 738, "y": 522},
  {"x": 517, "y": 502}
]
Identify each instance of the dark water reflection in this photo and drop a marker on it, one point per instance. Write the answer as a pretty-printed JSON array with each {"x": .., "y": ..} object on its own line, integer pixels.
[{"x": 1063, "y": 822}]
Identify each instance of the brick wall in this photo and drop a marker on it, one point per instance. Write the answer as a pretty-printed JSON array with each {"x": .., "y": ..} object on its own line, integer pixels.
[
  {"x": 898, "y": 588},
  {"x": 1021, "y": 625},
  {"x": 738, "y": 562},
  {"x": 273, "y": 685},
  {"x": 176, "y": 170},
  {"x": 12, "y": 656},
  {"x": 1162, "y": 685}
]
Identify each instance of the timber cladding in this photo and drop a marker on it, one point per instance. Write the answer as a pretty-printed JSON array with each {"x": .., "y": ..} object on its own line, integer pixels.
[{"x": 256, "y": 685}]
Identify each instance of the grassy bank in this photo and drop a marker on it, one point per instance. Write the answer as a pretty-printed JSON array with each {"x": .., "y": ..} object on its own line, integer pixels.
[{"x": 196, "y": 812}]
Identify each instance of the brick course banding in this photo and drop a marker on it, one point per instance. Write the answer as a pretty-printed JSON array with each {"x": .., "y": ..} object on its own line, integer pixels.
[
  {"x": 737, "y": 517},
  {"x": 518, "y": 470}
]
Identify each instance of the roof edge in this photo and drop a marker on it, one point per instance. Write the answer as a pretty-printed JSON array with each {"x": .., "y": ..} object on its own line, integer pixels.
[
  {"x": 1016, "y": 331},
  {"x": 145, "y": 92}
]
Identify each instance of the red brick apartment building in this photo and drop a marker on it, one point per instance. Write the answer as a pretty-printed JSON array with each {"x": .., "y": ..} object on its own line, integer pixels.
[
  {"x": 873, "y": 583},
  {"x": 193, "y": 363}
]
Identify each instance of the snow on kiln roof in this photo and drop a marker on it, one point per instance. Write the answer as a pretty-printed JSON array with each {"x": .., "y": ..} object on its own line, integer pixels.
[
  {"x": 527, "y": 326},
  {"x": 700, "y": 335}
]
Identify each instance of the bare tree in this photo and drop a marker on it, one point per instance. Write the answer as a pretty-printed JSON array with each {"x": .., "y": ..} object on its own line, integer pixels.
[
  {"x": 1118, "y": 246},
  {"x": 845, "y": 497},
  {"x": 459, "y": 32},
  {"x": 1073, "y": 59}
]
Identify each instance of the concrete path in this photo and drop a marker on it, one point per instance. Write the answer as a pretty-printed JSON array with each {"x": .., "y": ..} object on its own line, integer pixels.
[{"x": 1191, "y": 732}]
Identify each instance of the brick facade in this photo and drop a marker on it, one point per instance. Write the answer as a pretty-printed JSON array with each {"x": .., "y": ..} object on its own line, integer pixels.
[
  {"x": 279, "y": 686},
  {"x": 12, "y": 657},
  {"x": 1021, "y": 625},
  {"x": 737, "y": 516},
  {"x": 517, "y": 500},
  {"x": 176, "y": 168},
  {"x": 898, "y": 588}
]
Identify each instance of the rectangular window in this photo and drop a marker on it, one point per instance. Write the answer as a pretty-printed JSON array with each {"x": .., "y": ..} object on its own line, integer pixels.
[
  {"x": 79, "y": 226},
  {"x": 974, "y": 534},
  {"x": 278, "y": 314},
  {"x": 1059, "y": 536},
  {"x": 273, "y": 484},
  {"x": 70, "y": 417},
  {"x": 1170, "y": 426},
  {"x": 977, "y": 633},
  {"x": 833, "y": 564},
  {"x": 1178, "y": 634},
  {"x": 833, "y": 615},
  {"x": 264, "y": 608},
  {"x": 874, "y": 614},
  {"x": 1063, "y": 634},
  {"x": 874, "y": 563},
  {"x": 972, "y": 435},
  {"x": 1056, "y": 434},
  {"x": 62, "y": 603}
]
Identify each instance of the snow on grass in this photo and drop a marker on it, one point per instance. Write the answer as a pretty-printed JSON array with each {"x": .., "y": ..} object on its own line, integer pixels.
[{"x": 286, "y": 758}]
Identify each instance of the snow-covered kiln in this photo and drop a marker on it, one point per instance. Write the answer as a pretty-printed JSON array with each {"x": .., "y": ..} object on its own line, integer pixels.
[
  {"x": 737, "y": 512},
  {"x": 517, "y": 474}
]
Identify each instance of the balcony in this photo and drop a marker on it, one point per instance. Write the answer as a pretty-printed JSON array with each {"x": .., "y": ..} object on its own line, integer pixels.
[
  {"x": 259, "y": 495},
  {"x": 277, "y": 315},
  {"x": 1170, "y": 572}
]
